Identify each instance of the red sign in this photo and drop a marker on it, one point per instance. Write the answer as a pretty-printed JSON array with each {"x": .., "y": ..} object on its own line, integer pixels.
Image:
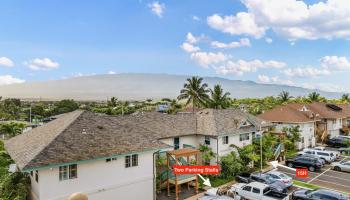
[
  {"x": 302, "y": 173},
  {"x": 185, "y": 169}
]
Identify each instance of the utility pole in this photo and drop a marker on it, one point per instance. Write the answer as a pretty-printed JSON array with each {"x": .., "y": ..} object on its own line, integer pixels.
[
  {"x": 261, "y": 154},
  {"x": 30, "y": 114}
]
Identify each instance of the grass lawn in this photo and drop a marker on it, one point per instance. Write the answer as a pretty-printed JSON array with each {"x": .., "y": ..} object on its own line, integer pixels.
[{"x": 216, "y": 181}]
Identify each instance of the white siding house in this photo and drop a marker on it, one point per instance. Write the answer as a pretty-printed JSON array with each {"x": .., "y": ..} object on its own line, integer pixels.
[
  {"x": 99, "y": 180},
  {"x": 307, "y": 133},
  {"x": 293, "y": 115},
  {"x": 113, "y": 157}
]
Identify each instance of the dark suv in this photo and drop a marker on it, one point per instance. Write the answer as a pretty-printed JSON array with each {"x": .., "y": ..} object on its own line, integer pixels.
[
  {"x": 318, "y": 194},
  {"x": 312, "y": 164},
  {"x": 337, "y": 142}
]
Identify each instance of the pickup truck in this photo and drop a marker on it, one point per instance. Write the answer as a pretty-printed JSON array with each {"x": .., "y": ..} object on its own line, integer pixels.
[
  {"x": 263, "y": 178},
  {"x": 256, "y": 191}
]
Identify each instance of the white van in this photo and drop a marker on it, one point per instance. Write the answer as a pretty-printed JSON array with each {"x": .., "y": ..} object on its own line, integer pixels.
[
  {"x": 325, "y": 155},
  {"x": 321, "y": 148}
]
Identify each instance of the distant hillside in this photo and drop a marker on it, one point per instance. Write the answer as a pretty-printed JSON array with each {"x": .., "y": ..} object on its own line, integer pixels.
[{"x": 139, "y": 87}]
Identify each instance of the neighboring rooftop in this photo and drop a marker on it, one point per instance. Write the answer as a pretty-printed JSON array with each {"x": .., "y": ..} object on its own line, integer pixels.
[
  {"x": 83, "y": 135},
  {"x": 301, "y": 113}
]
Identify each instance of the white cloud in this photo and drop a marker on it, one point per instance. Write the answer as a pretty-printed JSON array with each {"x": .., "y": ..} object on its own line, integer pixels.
[
  {"x": 6, "y": 62},
  {"x": 188, "y": 47},
  {"x": 190, "y": 38},
  {"x": 241, "y": 24},
  {"x": 205, "y": 59},
  {"x": 268, "y": 40},
  {"x": 320, "y": 86},
  {"x": 196, "y": 18},
  {"x": 328, "y": 87},
  {"x": 263, "y": 79},
  {"x": 242, "y": 42},
  {"x": 157, "y": 8},
  {"x": 335, "y": 63},
  {"x": 305, "y": 72},
  {"x": 41, "y": 64},
  {"x": 295, "y": 19},
  {"x": 8, "y": 79},
  {"x": 241, "y": 66},
  {"x": 111, "y": 72}
]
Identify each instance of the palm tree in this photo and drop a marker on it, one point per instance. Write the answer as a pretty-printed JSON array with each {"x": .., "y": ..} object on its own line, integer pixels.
[
  {"x": 284, "y": 96},
  {"x": 345, "y": 98},
  {"x": 206, "y": 153},
  {"x": 246, "y": 154},
  {"x": 12, "y": 129},
  {"x": 219, "y": 99},
  {"x": 195, "y": 92},
  {"x": 112, "y": 102},
  {"x": 314, "y": 97},
  {"x": 174, "y": 107}
]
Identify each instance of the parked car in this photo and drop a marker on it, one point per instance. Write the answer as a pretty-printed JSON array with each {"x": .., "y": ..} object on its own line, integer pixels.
[
  {"x": 325, "y": 155},
  {"x": 304, "y": 162},
  {"x": 281, "y": 177},
  {"x": 322, "y": 161},
  {"x": 345, "y": 150},
  {"x": 256, "y": 191},
  {"x": 337, "y": 142},
  {"x": 318, "y": 194},
  {"x": 336, "y": 153},
  {"x": 275, "y": 185},
  {"x": 341, "y": 166}
]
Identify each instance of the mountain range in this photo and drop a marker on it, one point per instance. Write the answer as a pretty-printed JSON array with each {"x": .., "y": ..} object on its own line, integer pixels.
[{"x": 139, "y": 86}]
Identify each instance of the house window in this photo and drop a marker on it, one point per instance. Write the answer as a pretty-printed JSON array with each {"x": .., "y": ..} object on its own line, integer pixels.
[
  {"x": 127, "y": 162},
  {"x": 111, "y": 159},
  {"x": 63, "y": 173},
  {"x": 135, "y": 160},
  {"x": 225, "y": 140},
  {"x": 176, "y": 143},
  {"x": 131, "y": 161},
  {"x": 73, "y": 171},
  {"x": 244, "y": 137},
  {"x": 207, "y": 140},
  {"x": 68, "y": 172},
  {"x": 37, "y": 176}
]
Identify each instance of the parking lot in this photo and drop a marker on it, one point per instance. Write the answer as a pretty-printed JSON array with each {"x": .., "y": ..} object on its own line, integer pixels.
[{"x": 327, "y": 178}]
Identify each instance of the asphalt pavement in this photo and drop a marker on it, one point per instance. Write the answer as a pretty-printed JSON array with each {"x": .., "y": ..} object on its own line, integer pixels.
[{"x": 327, "y": 178}]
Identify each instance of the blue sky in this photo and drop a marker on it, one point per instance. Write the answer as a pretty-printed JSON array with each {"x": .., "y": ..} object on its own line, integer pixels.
[{"x": 299, "y": 43}]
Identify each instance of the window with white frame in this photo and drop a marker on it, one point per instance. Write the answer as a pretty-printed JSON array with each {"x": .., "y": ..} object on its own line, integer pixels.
[
  {"x": 207, "y": 140},
  {"x": 68, "y": 172},
  {"x": 244, "y": 137},
  {"x": 131, "y": 160},
  {"x": 225, "y": 140},
  {"x": 111, "y": 159}
]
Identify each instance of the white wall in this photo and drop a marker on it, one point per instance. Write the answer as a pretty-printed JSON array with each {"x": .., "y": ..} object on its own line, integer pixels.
[
  {"x": 225, "y": 149},
  {"x": 334, "y": 126},
  {"x": 102, "y": 180},
  {"x": 34, "y": 187},
  {"x": 307, "y": 131}
]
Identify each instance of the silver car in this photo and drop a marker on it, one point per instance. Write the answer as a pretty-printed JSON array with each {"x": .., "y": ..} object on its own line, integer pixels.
[
  {"x": 341, "y": 166},
  {"x": 281, "y": 177}
]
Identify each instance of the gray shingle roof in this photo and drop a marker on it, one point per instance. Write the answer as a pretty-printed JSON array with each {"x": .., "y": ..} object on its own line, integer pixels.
[
  {"x": 78, "y": 136},
  {"x": 82, "y": 135}
]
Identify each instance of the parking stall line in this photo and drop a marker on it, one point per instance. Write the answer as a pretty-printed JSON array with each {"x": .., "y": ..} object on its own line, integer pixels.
[
  {"x": 346, "y": 186},
  {"x": 323, "y": 173}
]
